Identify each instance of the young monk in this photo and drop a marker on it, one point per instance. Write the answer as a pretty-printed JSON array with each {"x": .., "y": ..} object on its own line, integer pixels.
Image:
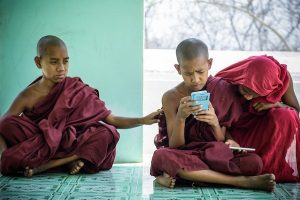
[
  {"x": 270, "y": 120},
  {"x": 56, "y": 121},
  {"x": 195, "y": 150}
]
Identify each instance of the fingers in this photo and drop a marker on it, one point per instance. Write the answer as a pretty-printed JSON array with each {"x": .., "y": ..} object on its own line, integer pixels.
[
  {"x": 210, "y": 106},
  {"x": 184, "y": 100},
  {"x": 232, "y": 143},
  {"x": 259, "y": 106},
  {"x": 159, "y": 111},
  {"x": 210, "y": 119},
  {"x": 187, "y": 107}
]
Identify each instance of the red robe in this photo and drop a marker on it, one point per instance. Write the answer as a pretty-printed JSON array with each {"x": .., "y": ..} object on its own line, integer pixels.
[
  {"x": 275, "y": 132},
  {"x": 201, "y": 150},
  {"x": 64, "y": 123}
]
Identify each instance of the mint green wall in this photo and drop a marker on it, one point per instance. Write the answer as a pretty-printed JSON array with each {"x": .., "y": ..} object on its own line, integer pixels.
[{"x": 105, "y": 43}]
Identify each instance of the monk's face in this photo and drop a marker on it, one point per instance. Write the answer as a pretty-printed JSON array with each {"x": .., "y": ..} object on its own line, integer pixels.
[
  {"x": 54, "y": 63},
  {"x": 194, "y": 72},
  {"x": 247, "y": 93}
]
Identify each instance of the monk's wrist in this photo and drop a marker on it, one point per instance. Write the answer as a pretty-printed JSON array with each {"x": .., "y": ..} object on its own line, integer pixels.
[
  {"x": 180, "y": 119},
  {"x": 141, "y": 121},
  {"x": 279, "y": 105},
  {"x": 218, "y": 133}
]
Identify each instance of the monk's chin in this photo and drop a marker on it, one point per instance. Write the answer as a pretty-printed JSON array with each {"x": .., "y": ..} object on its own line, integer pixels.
[
  {"x": 195, "y": 89},
  {"x": 58, "y": 80}
]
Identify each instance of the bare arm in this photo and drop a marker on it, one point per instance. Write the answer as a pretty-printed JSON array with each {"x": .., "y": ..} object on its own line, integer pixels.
[
  {"x": 289, "y": 98},
  {"x": 176, "y": 119},
  {"x": 16, "y": 108},
  {"x": 18, "y": 105},
  {"x": 128, "y": 122}
]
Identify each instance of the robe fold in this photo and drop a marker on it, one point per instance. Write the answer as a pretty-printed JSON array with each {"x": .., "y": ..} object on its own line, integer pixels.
[
  {"x": 274, "y": 133},
  {"x": 65, "y": 123},
  {"x": 201, "y": 151}
]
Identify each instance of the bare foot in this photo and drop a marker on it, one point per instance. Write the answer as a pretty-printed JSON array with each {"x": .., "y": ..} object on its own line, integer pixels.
[
  {"x": 76, "y": 166},
  {"x": 262, "y": 182},
  {"x": 166, "y": 180},
  {"x": 28, "y": 172}
]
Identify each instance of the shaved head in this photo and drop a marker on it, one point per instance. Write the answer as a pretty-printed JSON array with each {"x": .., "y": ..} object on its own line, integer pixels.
[
  {"x": 47, "y": 41},
  {"x": 190, "y": 49}
]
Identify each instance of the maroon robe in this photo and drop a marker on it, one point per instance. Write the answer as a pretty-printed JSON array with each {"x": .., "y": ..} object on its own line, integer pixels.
[
  {"x": 65, "y": 123},
  {"x": 274, "y": 133},
  {"x": 201, "y": 151}
]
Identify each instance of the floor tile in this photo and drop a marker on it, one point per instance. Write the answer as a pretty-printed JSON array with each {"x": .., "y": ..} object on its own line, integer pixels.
[{"x": 125, "y": 182}]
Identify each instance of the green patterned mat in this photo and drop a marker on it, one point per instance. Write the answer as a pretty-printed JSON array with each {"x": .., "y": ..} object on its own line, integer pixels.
[{"x": 123, "y": 182}]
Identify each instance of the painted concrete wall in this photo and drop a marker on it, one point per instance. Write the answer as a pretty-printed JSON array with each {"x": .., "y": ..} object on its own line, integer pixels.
[{"x": 105, "y": 44}]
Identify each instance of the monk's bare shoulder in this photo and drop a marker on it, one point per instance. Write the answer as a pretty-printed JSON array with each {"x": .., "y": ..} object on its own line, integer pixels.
[
  {"x": 19, "y": 104},
  {"x": 26, "y": 99},
  {"x": 173, "y": 96}
]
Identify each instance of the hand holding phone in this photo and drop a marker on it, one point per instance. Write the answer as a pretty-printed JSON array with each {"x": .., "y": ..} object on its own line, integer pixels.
[{"x": 202, "y": 98}]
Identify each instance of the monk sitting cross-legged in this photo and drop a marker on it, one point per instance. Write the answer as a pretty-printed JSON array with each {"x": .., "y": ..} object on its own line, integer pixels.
[
  {"x": 59, "y": 121},
  {"x": 191, "y": 140}
]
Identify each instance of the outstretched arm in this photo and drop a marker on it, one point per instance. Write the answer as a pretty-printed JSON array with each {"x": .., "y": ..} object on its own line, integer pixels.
[{"x": 128, "y": 122}]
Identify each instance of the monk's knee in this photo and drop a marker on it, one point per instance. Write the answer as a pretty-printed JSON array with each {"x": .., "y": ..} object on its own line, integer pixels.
[
  {"x": 5, "y": 123},
  {"x": 251, "y": 165},
  {"x": 7, "y": 126},
  {"x": 159, "y": 156}
]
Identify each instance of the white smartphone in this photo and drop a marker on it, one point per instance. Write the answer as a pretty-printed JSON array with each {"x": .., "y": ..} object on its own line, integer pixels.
[{"x": 242, "y": 148}]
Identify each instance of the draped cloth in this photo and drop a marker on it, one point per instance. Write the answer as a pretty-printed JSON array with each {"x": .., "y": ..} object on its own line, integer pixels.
[
  {"x": 65, "y": 123},
  {"x": 275, "y": 132},
  {"x": 201, "y": 151}
]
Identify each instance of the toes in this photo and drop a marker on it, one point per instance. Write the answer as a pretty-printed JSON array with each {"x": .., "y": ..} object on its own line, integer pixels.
[
  {"x": 271, "y": 177},
  {"x": 28, "y": 172},
  {"x": 166, "y": 181},
  {"x": 166, "y": 175},
  {"x": 80, "y": 164},
  {"x": 76, "y": 168},
  {"x": 172, "y": 184}
]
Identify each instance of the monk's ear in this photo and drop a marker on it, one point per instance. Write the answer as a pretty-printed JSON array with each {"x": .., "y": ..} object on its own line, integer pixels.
[
  {"x": 177, "y": 67},
  {"x": 210, "y": 61},
  {"x": 37, "y": 61}
]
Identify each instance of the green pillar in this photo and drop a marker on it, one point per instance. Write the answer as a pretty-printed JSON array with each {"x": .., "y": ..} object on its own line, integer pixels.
[{"x": 105, "y": 44}]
